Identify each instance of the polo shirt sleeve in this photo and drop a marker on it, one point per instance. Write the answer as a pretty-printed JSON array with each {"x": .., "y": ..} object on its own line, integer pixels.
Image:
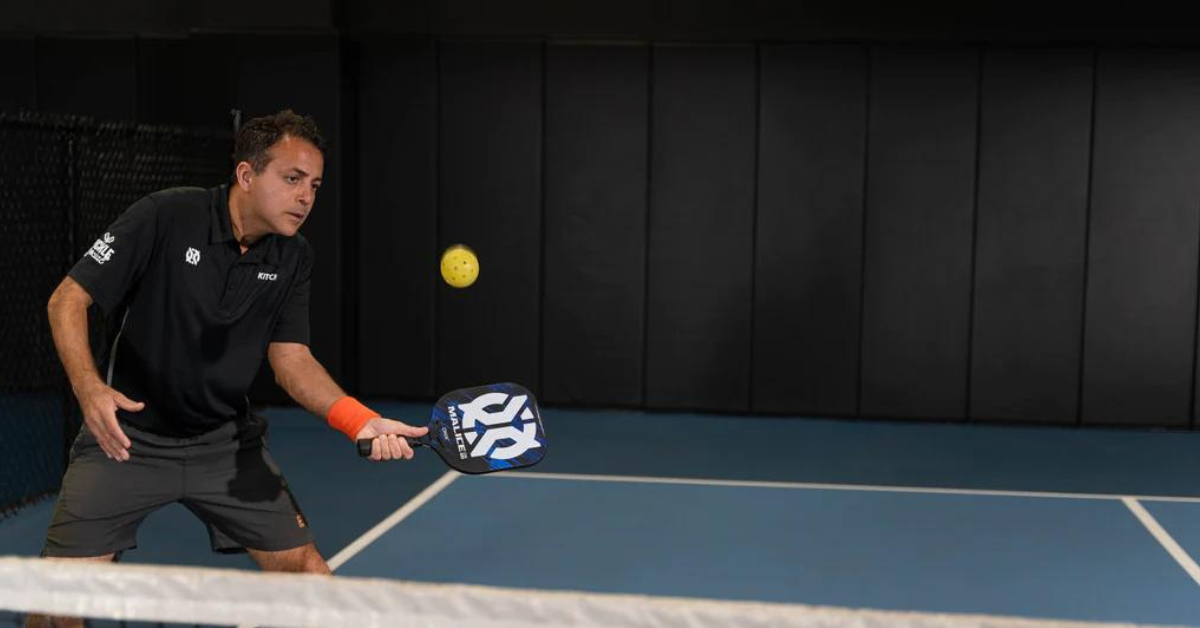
[
  {"x": 292, "y": 324},
  {"x": 117, "y": 259}
]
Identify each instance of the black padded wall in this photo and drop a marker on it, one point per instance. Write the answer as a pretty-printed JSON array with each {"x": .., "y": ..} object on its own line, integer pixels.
[
  {"x": 919, "y": 231},
  {"x": 808, "y": 268},
  {"x": 897, "y": 231},
  {"x": 91, "y": 77},
  {"x": 152, "y": 16},
  {"x": 594, "y": 265},
  {"x": 395, "y": 255},
  {"x": 1139, "y": 343},
  {"x": 490, "y": 197},
  {"x": 18, "y": 74},
  {"x": 212, "y": 82},
  {"x": 166, "y": 83},
  {"x": 1035, "y": 134},
  {"x": 773, "y": 20},
  {"x": 703, "y": 128},
  {"x": 908, "y": 231}
]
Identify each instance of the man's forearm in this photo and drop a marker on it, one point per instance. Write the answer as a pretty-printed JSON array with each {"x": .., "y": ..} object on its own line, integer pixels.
[
  {"x": 68, "y": 316},
  {"x": 307, "y": 382}
]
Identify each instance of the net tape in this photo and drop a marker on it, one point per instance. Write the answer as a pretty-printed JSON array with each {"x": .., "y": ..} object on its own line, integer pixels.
[{"x": 227, "y": 597}]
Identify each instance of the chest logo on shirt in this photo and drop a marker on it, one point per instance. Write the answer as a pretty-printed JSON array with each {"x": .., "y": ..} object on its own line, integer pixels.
[
  {"x": 102, "y": 249},
  {"x": 192, "y": 256},
  {"x": 268, "y": 276}
]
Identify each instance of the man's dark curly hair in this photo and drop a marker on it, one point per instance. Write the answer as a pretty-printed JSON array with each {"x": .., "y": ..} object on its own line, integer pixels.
[{"x": 256, "y": 137}]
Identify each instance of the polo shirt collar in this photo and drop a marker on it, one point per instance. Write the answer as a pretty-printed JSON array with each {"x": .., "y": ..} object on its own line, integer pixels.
[{"x": 221, "y": 228}]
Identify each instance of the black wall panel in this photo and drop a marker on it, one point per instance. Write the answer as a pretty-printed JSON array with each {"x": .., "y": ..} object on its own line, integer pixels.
[
  {"x": 261, "y": 15},
  {"x": 1035, "y": 135},
  {"x": 134, "y": 16},
  {"x": 62, "y": 16},
  {"x": 928, "y": 232},
  {"x": 536, "y": 17},
  {"x": 769, "y": 20},
  {"x": 491, "y": 199},
  {"x": 701, "y": 227},
  {"x": 213, "y": 80},
  {"x": 18, "y": 74},
  {"x": 597, "y": 117},
  {"x": 1140, "y": 324},
  {"x": 89, "y": 77},
  {"x": 396, "y": 252},
  {"x": 808, "y": 270},
  {"x": 920, "y": 201},
  {"x": 166, "y": 86},
  {"x": 373, "y": 16}
]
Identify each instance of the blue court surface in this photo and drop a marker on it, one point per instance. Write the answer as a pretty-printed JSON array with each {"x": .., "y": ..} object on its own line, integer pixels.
[{"x": 1053, "y": 523}]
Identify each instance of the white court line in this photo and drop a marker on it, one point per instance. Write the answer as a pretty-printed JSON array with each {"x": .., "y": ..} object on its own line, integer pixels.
[
  {"x": 642, "y": 479},
  {"x": 1163, "y": 537},
  {"x": 381, "y": 528},
  {"x": 402, "y": 513}
]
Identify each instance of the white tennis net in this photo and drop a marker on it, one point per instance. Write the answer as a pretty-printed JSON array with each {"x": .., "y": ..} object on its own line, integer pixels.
[{"x": 227, "y": 597}]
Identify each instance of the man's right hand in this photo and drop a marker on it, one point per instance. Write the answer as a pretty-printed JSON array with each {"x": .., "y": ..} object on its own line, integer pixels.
[{"x": 99, "y": 404}]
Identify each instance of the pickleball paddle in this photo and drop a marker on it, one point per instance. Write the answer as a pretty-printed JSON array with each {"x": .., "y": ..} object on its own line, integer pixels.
[{"x": 484, "y": 429}]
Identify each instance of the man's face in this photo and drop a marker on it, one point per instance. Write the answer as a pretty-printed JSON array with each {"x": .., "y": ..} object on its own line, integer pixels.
[{"x": 285, "y": 191}]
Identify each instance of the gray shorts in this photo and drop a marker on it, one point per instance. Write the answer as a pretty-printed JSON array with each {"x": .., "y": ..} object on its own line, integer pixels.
[{"x": 226, "y": 477}]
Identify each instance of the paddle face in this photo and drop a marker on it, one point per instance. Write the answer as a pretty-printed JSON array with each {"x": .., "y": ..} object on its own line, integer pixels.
[
  {"x": 483, "y": 429},
  {"x": 488, "y": 428}
]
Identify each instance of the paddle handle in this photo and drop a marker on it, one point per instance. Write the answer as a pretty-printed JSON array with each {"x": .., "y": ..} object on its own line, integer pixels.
[{"x": 364, "y": 445}]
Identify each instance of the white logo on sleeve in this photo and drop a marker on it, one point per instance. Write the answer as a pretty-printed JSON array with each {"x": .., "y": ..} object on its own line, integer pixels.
[
  {"x": 500, "y": 426},
  {"x": 267, "y": 276},
  {"x": 102, "y": 249},
  {"x": 192, "y": 256}
]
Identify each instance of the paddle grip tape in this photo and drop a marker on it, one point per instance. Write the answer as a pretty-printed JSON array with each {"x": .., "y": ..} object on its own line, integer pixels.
[{"x": 364, "y": 445}]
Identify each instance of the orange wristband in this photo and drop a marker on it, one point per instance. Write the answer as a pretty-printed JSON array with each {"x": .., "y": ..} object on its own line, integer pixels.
[{"x": 348, "y": 416}]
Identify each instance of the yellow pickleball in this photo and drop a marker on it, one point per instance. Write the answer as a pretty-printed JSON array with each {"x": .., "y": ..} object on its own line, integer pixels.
[{"x": 460, "y": 267}]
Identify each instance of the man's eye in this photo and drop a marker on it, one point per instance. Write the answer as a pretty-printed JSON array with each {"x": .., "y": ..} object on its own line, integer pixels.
[{"x": 293, "y": 179}]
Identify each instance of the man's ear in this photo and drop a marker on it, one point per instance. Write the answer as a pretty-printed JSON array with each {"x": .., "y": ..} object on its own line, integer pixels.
[{"x": 244, "y": 175}]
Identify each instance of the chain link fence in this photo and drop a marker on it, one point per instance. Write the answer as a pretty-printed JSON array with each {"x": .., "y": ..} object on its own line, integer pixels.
[{"x": 63, "y": 180}]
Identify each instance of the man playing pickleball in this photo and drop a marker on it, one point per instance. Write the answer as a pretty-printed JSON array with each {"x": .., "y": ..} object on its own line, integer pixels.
[{"x": 204, "y": 282}]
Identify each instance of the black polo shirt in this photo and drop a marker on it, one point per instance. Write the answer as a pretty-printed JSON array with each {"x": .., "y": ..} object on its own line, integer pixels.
[{"x": 197, "y": 314}]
